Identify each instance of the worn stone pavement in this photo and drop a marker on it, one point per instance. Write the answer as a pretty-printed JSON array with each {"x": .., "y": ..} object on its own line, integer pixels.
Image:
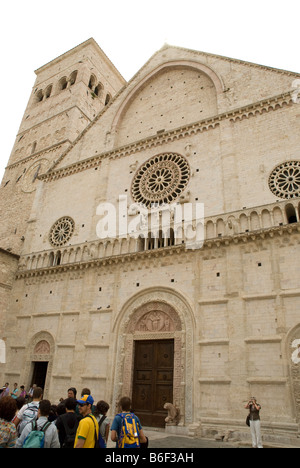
[{"x": 163, "y": 440}]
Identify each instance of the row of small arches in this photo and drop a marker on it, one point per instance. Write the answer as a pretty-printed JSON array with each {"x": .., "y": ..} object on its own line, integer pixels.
[
  {"x": 253, "y": 221},
  {"x": 66, "y": 82},
  {"x": 229, "y": 226}
]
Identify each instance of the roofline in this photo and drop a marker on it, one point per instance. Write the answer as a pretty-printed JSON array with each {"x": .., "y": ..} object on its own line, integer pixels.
[
  {"x": 230, "y": 59},
  {"x": 90, "y": 41}
]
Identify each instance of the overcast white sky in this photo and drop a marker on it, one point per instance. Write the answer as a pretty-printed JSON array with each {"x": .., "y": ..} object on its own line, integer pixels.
[{"x": 33, "y": 32}]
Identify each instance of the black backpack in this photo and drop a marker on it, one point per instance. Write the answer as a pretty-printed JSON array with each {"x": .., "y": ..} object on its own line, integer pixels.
[{"x": 70, "y": 434}]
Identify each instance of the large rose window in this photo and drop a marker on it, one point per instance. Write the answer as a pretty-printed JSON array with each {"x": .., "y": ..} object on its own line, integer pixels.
[
  {"x": 161, "y": 180},
  {"x": 284, "y": 181}
]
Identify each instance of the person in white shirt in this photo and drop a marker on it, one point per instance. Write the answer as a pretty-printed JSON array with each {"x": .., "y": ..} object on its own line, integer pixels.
[
  {"x": 29, "y": 412},
  {"x": 51, "y": 434}
]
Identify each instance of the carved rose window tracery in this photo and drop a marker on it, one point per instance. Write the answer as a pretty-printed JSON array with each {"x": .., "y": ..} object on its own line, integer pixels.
[
  {"x": 61, "y": 232},
  {"x": 161, "y": 180},
  {"x": 284, "y": 181}
]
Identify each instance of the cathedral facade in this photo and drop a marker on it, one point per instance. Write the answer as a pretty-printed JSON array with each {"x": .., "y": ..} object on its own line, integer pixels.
[{"x": 98, "y": 291}]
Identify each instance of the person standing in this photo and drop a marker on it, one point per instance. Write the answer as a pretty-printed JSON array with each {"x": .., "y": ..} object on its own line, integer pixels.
[
  {"x": 101, "y": 415},
  {"x": 255, "y": 427},
  {"x": 67, "y": 424},
  {"x": 8, "y": 431},
  {"x": 5, "y": 391},
  {"x": 29, "y": 412},
  {"x": 14, "y": 393},
  {"x": 23, "y": 393},
  {"x": 118, "y": 432},
  {"x": 51, "y": 435},
  {"x": 88, "y": 430}
]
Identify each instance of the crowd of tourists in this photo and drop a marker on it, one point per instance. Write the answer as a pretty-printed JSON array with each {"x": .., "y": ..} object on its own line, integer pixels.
[{"x": 29, "y": 421}]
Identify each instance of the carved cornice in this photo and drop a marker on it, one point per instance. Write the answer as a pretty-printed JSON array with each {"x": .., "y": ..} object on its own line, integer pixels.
[
  {"x": 267, "y": 105},
  {"x": 217, "y": 243}
]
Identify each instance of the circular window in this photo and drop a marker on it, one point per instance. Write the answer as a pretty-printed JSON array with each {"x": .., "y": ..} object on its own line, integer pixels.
[
  {"x": 284, "y": 181},
  {"x": 61, "y": 231},
  {"x": 161, "y": 180}
]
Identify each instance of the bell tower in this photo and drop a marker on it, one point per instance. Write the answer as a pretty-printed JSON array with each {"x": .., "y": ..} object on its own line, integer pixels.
[{"x": 67, "y": 95}]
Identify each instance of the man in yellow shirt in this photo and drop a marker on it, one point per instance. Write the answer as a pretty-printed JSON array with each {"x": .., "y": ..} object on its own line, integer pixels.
[{"x": 88, "y": 430}]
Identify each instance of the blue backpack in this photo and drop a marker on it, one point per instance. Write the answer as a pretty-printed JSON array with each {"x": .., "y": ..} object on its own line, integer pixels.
[
  {"x": 101, "y": 441},
  {"x": 36, "y": 438}
]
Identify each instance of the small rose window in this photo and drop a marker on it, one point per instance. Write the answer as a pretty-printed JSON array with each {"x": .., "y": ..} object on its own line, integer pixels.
[{"x": 61, "y": 231}]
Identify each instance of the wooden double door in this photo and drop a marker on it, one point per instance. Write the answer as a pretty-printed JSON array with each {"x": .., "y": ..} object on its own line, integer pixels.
[{"x": 153, "y": 381}]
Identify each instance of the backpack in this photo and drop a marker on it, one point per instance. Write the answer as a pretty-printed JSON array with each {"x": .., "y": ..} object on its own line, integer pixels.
[
  {"x": 36, "y": 438},
  {"x": 129, "y": 437},
  {"x": 97, "y": 443},
  {"x": 30, "y": 414},
  {"x": 70, "y": 434},
  {"x": 101, "y": 441}
]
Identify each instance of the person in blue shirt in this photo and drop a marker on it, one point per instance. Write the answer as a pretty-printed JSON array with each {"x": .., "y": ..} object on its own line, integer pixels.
[{"x": 117, "y": 425}]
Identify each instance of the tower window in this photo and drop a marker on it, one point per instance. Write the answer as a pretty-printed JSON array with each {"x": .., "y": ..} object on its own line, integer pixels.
[
  {"x": 48, "y": 92},
  {"x": 63, "y": 83},
  {"x": 73, "y": 78},
  {"x": 39, "y": 96},
  {"x": 92, "y": 82}
]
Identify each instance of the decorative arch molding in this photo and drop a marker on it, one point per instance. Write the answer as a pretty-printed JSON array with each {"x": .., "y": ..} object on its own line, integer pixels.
[
  {"x": 41, "y": 348},
  {"x": 293, "y": 355},
  {"x": 157, "y": 314},
  {"x": 197, "y": 66}
]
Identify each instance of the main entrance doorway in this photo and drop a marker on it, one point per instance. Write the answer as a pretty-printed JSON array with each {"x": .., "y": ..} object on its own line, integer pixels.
[
  {"x": 39, "y": 373},
  {"x": 153, "y": 381}
]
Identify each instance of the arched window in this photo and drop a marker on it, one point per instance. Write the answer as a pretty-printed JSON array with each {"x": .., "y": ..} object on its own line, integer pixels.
[
  {"x": 48, "y": 91},
  {"x": 73, "y": 78},
  {"x": 92, "y": 82},
  {"x": 107, "y": 99},
  {"x": 58, "y": 258},
  {"x": 98, "y": 89},
  {"x": 291, "y": 214},
  {"x": 39, "y": 96},
  {"x": 63, "y": 83}
]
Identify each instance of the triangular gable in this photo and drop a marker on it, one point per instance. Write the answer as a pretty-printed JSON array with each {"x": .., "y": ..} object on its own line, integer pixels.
[{"x": 237, "y": 84}]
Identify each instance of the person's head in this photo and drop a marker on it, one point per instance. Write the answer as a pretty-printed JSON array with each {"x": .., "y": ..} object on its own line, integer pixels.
[
  {"x": 70, "y": 404},
  {"x": 72, "y": 392},
  {"x": 44, "y": 408},
  {"x": 61, "y": 408},
  {"x": 8, "y": 408},
  {"x": 85, "y": 391},
  {"x": 37, "y": 393},
  {"x": 20, "y": 402},
  {"x": 15, "y": 386},
  {"x": 85, "y": 405},
  {"x": 125, "y": 404},
  {"x": 102, "y": 407}
]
